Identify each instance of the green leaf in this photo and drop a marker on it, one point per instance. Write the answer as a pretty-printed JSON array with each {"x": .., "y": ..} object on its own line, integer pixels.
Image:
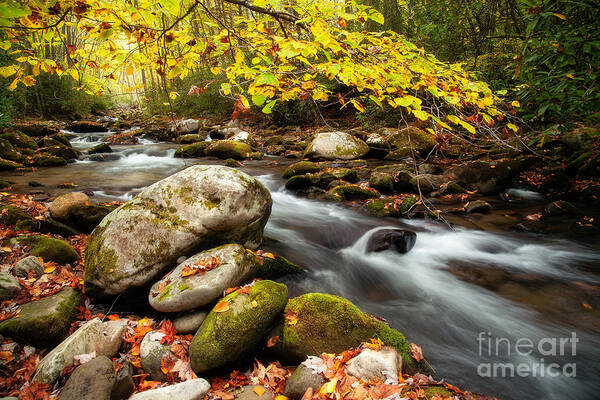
[
  {"x": 269, "y": 107},
  {"x": 259, "y": 99}
]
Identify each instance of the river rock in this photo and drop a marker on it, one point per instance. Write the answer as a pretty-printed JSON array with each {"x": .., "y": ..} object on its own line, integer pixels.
[
  {"x": 62, "y": 151},
  {"x": 11, "y": 215},
  {"x": 51, "y": 249},
  {"x": 391, "y": 208},
  {"x": 192, "y": 150},
  {"x": 99, "y": 149},
  {"x": 331, "y": 324},
  {"x": 8, "y": 152},
  {"x": 410, "y": 137},
  {"x": 61, "y": 207},
  {"x": 382, "y": 182},
  {"x": 86, "y": 217},
  {"x": 124, "y": 385},
  {"x": 399, "y": 240},
  {"x": 31, "y": 263},
  {"x": 186, "y": 126},
  {"x": 87, "y": 127},
  {"x": 152, "y": 352},
  {"x": 274, "y": 266},
  {"x": 336, "y": 145},
  {"x": 488, "y": 177},
  {"x": 351, "y": 192},
  {"x": 229, "y": 335},
  {"x": 189, "y": 322},
  {"x": 194, "y": 389},
  {"x": 43, "y": 159},
  {"x": 19, "y": 139},
  {"x": 225, "y": 149},
  {"x": 197, "y": 208},
  {"x": 478, "y": 206},
  {"x": 95, "y": 336},
  {"x": 192, "y": 138},
  {"x": 9, "y": 285},
  {"x": 44, "y": 322},
  {"x": 427, "y": 183},
  {"x": 303, "y": 378},
  {"x": 249, "y": 392},
  {"x": 6, "y": 165},
  {"x": 235, "y": 266},
  {"x": 93, "y": 380},
  {"x": 36, "y": 129},
  {"x": 383, "y": 364}
]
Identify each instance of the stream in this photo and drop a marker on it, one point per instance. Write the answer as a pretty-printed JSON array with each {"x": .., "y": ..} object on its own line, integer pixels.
[{"x": 454, "y": 287}]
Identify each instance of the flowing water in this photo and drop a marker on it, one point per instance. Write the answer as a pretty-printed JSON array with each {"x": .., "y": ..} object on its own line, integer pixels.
[{"x": 467, "y": 297}]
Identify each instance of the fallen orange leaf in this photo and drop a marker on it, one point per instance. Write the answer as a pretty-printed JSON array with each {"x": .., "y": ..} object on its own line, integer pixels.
[
  {"x": 221, "y": 307},
  {"x": 259, "y": 390}
]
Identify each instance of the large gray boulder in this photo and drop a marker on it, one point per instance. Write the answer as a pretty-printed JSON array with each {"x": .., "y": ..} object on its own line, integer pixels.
[
  {"x": 336, "y": 145},
  {"x": 198, "y": 208},
  {"x": 231, "y": 266},
  {"x": 93, "y": 380}
]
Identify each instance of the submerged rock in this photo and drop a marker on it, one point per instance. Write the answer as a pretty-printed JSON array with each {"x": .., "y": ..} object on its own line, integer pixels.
[
  {"x": 93, "y": 380},
  {"x": 197, "y": 208},
  {"x": 61, "y": 207},
  {"x": 103, "y": 338},
  {"x": 51, "y": 249},
  {"x": 231, "y": 266},
  {"x": 336, "y": 145},
  {"x": 226, "y": 336},
  {"x": 45, "y": 322},
  {"x": 194, "y": 389},
  {"x": 399, "y": 240}
]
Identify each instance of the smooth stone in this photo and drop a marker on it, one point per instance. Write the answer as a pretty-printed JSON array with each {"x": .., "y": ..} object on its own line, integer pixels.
[
  {"x": 194, "y": 389},
  {"x": 103, "y": 338},
  {"x": 152, "y": 352},
  {"x": 478, "y": 206},
  {"x": 31, "y": 263},
  {"x": 247, "y": 393},
  {"x": 62, "y": 205},
  {"x": 383, "y": 364},
  {"x": 93, "y": 380},
  {"x": 336, "y": 145},
  {"x": 185, "y": 293},
  {"x": 9, "y": 285},
  {"x": 124, "y": 385},
  {"x": 399, "y": 240},
  {"x": 302, "y": 379},
  {"x": 198, "y": 208},
  {"x": 189, "y": 322}
]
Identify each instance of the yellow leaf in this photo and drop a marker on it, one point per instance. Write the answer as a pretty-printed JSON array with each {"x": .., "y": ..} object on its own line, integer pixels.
[
  {"x": 358, "y": 106},
  {"x": 329, "y": 387},
  {"x": 129, "y": 70},
  {"x": 281, "y": 397},
  {"x": 515, "y": 103},
  {"x": 13, "y": 84},
  {"x": 570, "y": 76},
  {"x": 254, "y": 304},
  {"x": 29, "y": 80},
  {"x": 259, "y": 390},
  {"x": 559, "y": 16},
  {"x": 244, "y": 101},
  {"x": 50, "y": 269},
  {"x": 422, "y": 115},
  {"x": 512, "y": 127}
]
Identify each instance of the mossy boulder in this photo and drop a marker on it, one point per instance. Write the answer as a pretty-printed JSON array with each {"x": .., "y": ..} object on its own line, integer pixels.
[
  {"x": 61, "y": 207},
  {"x": 62, "y": 151},
  {"x": 331, "y": 324},
  {"x": 489, "y": 177},
  {"x": 399, "y": 154},
  {"x": 44, "y": 159},
  {"x": 390, "y": 207},
  {"x": 191, "y": 138},
  {"x": 274, "y": 140},
  {"x": 36, "y": 129},
  {"x": 5, "y": 184},
  {"x": 231, "y": 163},
  {"x": 50, "y": 249},
  {"x": 228, "y": 149},
  {"x": 6, "y": 165},
  {"x": 195, "y": 209},
  {"x": 351, "y": 192},
  {"x": 11, "y": 215},
  {"x": 300, "y": 182},
  {"x": 411, "y": 137},
  {"x": 45, "y": 322},
  {"x": 100, "y": 148},
  {"x": 86, "y": 217},
  {"x": 62, "y": 139},
  {"x": 273, "y": 267},
  {"x": 8, "y": 152},
  {"x": 382, "y": 182},
  {"x": 225, "y": 337},
  {"x": 20, "y": 140},
  {"x": 336, "y": 145},
  {"x": 301, "y": 168},
  {"x": 193, "y": 150},
  {"x": 87, "y": 127},
  {"x": 345, "y": 174}
]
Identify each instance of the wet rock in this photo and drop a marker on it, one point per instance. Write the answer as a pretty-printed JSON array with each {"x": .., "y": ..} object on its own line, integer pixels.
[
  {"x": 427, "y": 168},
  {"x": 478, "y": 206},
  {"x": 399, "y": 240},
  {"x": 189, "y": 322},
  {"x": 345, "y": 174},
  {"x": 86, "y": 217},
  {"x": 250, "y": 392},
  {"x": 384, "y": 183},
  {"x": 227, "y": 336},
  {"x": 9, "y": 286},
  {"x": 61, "y": 151},
  {"x": 556, "y": 181},
  {"x": 411, "y": 137},
  {"x": 4, "y": 184},
  {"x": 185, "y": 126},
  {"x": 228, "y": 149},
  {"x": 50, "y": 225},
  {"x": 351, "y": 192},
  {"x": 301, "y": 168},
  {"x": 103, "y": 338},
  {"x": 331, "y": 324},
  {"x": 31, "y": 263},
  {"x": 276, "y": 267},
  {"x": 36, "y": 129},
  {"x": 100, "y": 148},
  {"x": 234, "y": 266},
  {"x": 231, "y": 163},
  {"x": 87, "y": 127},
  {"x": 197, "y": 208},
  {"x": 45, "y": 322},
  {"x": 426, "y": 184},
  {"x": 488, "y": 177},
  {"x": 8, "y": 152},
  {"x": 377, "y": 139},
  {"x": 383, "y": 364},
  {"x": 192, "y": 150},
  {"x": 336, "y": 145},
  {"x": 62, "y": 139},
  {"x": 104, "y": 157},
  {"x": 191, "y": 138},
  {"x": 61, "y": 207},
  {"x": 152, "y": 354},
  {"x": 559, "y": 207},
  {"x": 19, "y": 139},
  {"x": 243, "y": 137},
  {"x": 273, "y": 140},
  {"x": 11, "y": 215},
  {"x": 93, "y": 380},
  {"x": 302, "y": 379},
  {"x": 44, "y": 159},
  {"x": 124, "y": 385},
  {"x": 51, "y": 249},
  {"x": 390, "y": 207},
  {"x": 6, "y": 165},
  {"x": 194, "y": 389},
  {"x": 399, "y": 154},
  {"x": 300, "y": 182}
]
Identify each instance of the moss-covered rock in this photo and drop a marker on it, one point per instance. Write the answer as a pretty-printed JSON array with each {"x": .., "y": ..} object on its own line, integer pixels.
[
  {"x": 399, "y": 154},
  {"x": 300, "y": 182},
  {"x": 11, "y": 215},
  {"x": 28, "y": 225},
  {"x": 345, "y": 174},
  {"x": 45, "y": 322},
  {"x": 8, "y": 152},
  {"x": 336, "y": 145},
  {"x": 489, "y": 177},
  {"x": 351, "y": 192},
  {"x": 62, "y": 139},
  {"x": 227, "y": 336},
  {"x": 301, "y": 168},
  {"x": 191, "y": 138},
  {"x": 43, "y": 159},
  {"x": 100, "y": 148},
  {"x": 231, "y": 163},
  {"x": 20, "y": 140},
  {"x": 411, "y": 137},
  {"x": 51, "y": 249},
  {"x": 390, "y": 207},
  {"x": 273, "y": 140},
  {"x": 192, "y": 150},
  {"x": 275, "y": 267},
  {"x": 228, "y": 149},
  {"x": 36, "y": 129},
  {"x": 5, "y": 184},
  {"x": 6, "y": 165},
  {"x": 85, "y": 217},
  {"x": 382, "y": 182},
  {"x": 62, "y": 151},
  {"x": 331, "y": 324}
]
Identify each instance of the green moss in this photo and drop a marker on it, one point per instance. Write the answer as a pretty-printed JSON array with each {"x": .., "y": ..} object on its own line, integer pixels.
[
  {"x": 382, "y": 182},
  {"x": 432, "y": 391},
  {"x": 274, "y": 140},
  {"x": 11, "y": 215},
  {"x": 389, "y": 207},
  {"x": 227, "y": 336},
  {"x": 413, "y": 137},
  {"x": 190, "y": 138},
  {"x": 399, "y": 154},
  {"x": 346, "y": 174},
  {"x": 19, "y": 139},
  {"x": 26, "y": 225},
  {"x": 47, "y": 160},
  {"x": 6, "y": 165},
  {"x": 231, "y": 163},
  {"x": 228, "y": 149},
  {"x": 100, "y": 148},
  {"x": 331, "y": 324},
  {"x": 166, "y": 292},
  {"x": 192, "y": 150},
  {"x": 301, "y": 168},
  {"x": 62, "y": 151},
  {"x": 351, "y": 192},
  {"x": 98, "y": 258},
  {"x": 59, "y": 137},
  {"x": 8, "y": 152},
  {"x": 45, "y": 322},
  {"x": 5, "y": 184},
  {"x": 51, "y": 249},
  {"x": 277, "y": 267}
]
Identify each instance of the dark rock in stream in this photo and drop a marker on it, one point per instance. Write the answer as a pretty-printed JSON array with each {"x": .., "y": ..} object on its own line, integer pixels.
[{"x": 399, "y": 240}]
